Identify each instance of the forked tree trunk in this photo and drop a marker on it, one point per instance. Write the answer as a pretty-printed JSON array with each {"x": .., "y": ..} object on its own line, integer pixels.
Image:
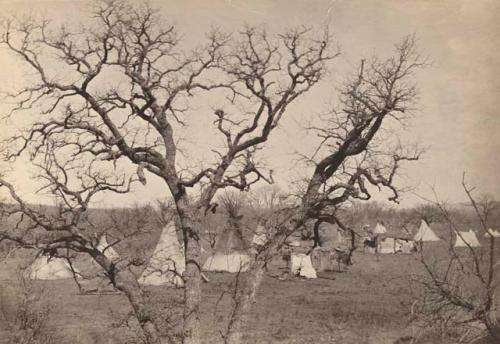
[
  {"x": 245, "y": 300},
  {"x": 244, "y": 303}
]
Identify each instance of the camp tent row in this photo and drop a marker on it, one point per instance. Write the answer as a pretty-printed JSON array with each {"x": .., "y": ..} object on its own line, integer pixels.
[
  {"x": 167, "y": 263},
  {"x": 492, "y": 233},
  {"x": 390, "y": 244},
  {"x": 463, "y": 239},
  {"x": 54, "y": 268}
]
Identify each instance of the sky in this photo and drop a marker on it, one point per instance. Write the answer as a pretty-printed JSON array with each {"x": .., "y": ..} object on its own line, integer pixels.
[{"x": 457, "y": 119}]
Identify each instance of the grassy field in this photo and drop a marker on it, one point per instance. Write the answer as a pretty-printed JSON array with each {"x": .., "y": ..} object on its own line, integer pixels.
[{"x": 368, "y": 304}]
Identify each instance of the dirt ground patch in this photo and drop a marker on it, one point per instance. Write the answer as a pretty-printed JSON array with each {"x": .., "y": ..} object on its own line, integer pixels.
[{"x": 369, "y": 304}]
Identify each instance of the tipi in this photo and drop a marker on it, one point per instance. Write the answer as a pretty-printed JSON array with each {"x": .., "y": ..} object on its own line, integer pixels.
[
  {"x": 108, "y": 251},
  {"x": 492, "y": 233},
  {"x": 167, "y": 263},
  {"x": 50, "y": 268},
  {"x": 230, "y": 253},
  {"x": 425, "y": 233},
  {"x": 464, "y": 238},
  {"x": 379, "y": 229}
]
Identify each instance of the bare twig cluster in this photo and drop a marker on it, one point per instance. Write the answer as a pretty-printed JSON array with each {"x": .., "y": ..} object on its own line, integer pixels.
[{"x": 460, "y": 290}]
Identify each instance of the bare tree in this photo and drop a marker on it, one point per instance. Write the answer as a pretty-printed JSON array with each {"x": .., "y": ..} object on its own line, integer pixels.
[
  {"x": 460, "y": 289},
  {"x": 136, "y": 120},
  {"x": 61, "y": 232},
  {"x": 354, "y": 152}
]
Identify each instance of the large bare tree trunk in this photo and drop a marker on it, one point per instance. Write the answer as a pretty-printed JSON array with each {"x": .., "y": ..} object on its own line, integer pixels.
[
  {"x": 243, "y": 305},
  {"x": 246, "y": 299},
  {"x": 494, "y": 317},
  {"x": 192, "y": 294},
  {"x": 192, "y": 274}
]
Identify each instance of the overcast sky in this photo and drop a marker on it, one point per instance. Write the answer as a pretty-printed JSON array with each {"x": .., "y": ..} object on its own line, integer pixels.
[{"x": 458, "y": 119}]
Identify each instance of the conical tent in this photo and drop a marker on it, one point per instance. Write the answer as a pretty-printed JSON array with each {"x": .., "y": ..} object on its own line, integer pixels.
[
  {"x": 425, "y": 233},
  {"x": 379, "y": 229},
  {"x": 108, "y": 251},
  {"x": 492, "y": 233},
  {"x": 231, "y": 240},
  {"x": 464, "y": 238},
  {"x": 47, "y": 268},
  {"x": 230, "y": 253},
  {"x": 167, "y": 263}
]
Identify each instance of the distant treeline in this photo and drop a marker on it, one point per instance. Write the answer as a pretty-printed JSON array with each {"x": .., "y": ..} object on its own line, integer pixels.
[{"x": 137, "y": 228}]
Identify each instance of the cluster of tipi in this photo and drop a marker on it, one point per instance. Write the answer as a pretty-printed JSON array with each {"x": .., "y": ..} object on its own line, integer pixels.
[
  {"x": 166, "y": 264},
  {"x": 53, "y": 268},
  {"x": 462, "y": 238}
]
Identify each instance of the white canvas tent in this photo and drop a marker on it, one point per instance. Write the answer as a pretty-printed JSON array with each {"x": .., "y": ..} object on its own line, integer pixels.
[
  {"x": 232, "y": 262},
  {"x": 403, "y": 245},
  {"x": 464, "y": 238},
  {"x": 387, "y": 245},
  {"x": 230, "y": 253},
  {"x": 492, "y": 233},
  {"x": 46, "y": 268},
  {"x": 167, "y": 263},
  {"x": 301, "y": 265},
  {"x": 379, "y": 229},
  {"x": 425, "y": 233},
  {"x": 108, "y": 251}
]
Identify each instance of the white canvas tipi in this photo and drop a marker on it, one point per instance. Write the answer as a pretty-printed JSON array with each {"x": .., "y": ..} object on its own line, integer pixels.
[
  {"x": 230, "y": 254},
  {"x": 425, "y": 233},
  {"x": 108, "y": 251},
  {"x": 167, "y": 263},
  {"x": 379, "y": 229},
  {"x": 464, "y": 238},
  {"x": 47, "y": 268},
  {"x": 492, "y": 233}
]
